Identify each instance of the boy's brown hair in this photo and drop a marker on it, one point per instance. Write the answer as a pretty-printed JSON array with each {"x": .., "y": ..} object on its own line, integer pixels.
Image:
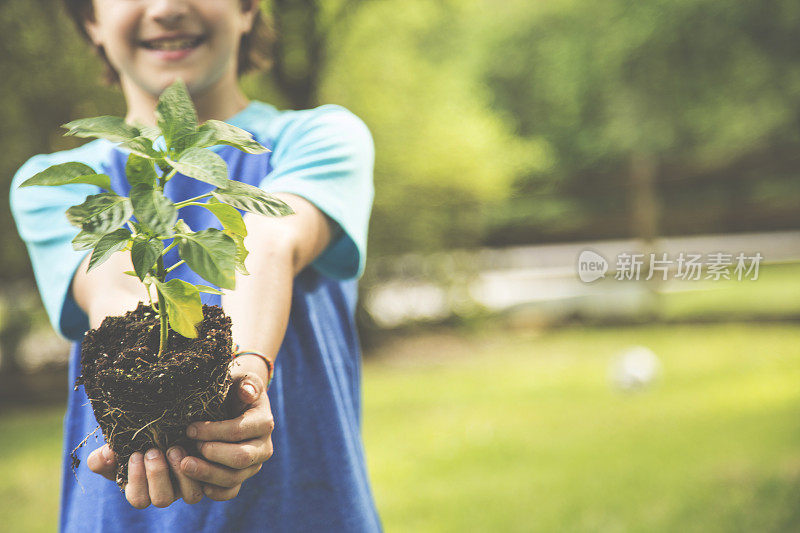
[{"x": 254, "y": 50}]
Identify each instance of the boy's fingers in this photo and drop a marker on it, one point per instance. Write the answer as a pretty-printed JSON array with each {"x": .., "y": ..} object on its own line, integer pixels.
[
  {"x": 190, "y": 490},
  {"x": 214, "y": 474},
  {"x": 103, "y": 461},
  {"x": 159, "y": 485},
  {"x": 253, "y": 424},
  {"x": 221, "y": 494},
  {"x": 136, "y": 489},
  {"x": 249, "y": 388},
  {"x": 237, "y": 455},
  {"x": 108, "y": 454}
]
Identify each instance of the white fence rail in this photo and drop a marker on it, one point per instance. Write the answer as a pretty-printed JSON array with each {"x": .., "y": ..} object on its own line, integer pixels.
[{"x": 418, "y": 288}]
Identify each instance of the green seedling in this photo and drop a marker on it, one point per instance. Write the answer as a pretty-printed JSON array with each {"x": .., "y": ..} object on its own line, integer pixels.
[{"x": 144, "y": 221}]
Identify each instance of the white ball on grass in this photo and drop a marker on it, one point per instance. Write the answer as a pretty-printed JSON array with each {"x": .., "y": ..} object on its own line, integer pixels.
[{"x": 635, "y": 368}]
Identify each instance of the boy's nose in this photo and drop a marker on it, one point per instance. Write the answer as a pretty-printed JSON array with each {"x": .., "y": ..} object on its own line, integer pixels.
[{"x": 168, "y": 12}]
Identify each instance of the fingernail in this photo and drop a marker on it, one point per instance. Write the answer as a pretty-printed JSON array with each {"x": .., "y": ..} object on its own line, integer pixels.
[
  {"x": 108, "y": 455},
  {"x": 191, "y": 431},
  {"x": 191, "y": 466},
  {"x": 136, "y": 457},
  {"x": 175, "y": 455},
  {"x": 249, "y": 389},
  {"x": 152, "y": 454}
]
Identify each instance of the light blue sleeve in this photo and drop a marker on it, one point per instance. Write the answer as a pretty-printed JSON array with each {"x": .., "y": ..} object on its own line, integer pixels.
[
  {"x": 326, "y": 155},
  {"x": 39, "y": 213}
]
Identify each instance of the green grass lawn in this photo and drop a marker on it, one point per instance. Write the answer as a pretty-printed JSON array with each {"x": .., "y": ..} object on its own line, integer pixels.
[
  {"x": 30, "y": 469},
  {"x": 775, "y": 293},
  {"x": 514, "y": 433},
  {"x": 507, "y": 431}
]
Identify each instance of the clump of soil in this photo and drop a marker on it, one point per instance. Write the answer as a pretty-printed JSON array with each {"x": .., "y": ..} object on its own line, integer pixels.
[{"x": 141, "y": 401}]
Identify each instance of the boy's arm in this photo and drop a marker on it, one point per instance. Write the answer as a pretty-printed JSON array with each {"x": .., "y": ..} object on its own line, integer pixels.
[
  {"x": 259, "y": 308},
  {"x": 106, "y": 291}
]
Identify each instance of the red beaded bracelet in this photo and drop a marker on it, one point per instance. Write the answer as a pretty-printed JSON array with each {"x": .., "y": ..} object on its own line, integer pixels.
[{"x": 270, "y": 365}]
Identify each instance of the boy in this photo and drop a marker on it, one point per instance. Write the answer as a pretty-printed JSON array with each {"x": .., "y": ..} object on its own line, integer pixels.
[{"x": 297, "y": 304}]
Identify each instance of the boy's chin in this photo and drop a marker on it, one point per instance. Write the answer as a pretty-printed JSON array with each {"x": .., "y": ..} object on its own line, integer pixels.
[{"x": 154, "y": 83}]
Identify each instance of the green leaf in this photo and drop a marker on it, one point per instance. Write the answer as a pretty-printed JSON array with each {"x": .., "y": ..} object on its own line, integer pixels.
[
  {"x": 153, "y": 209},
  {"x": 203, "y": 165},
  {"x": 85, "y": 240},
  {"x": 175, "y": 113},
  {"x": 107, "y": 245},
  {"x": 241, "y": 251},
  {"x": 184, "y": 307},
  {"x": 250, "y": 198},
  {"x": 142, "y": 146},
  {"x": 210, "y": 290},
  {"x": 214, "y": 132},
  {"x": 139, "y": 169},
  {"x": 228, "y": 216},
  {"x": 202, "y": 138},
  {"x": 181, "y": 144},
  {"x": 211, "y": 254},
  {"x": 100, "y": 213},
  {"x": 67, "y": 173},
  {"x": 115, "y": 129},
  {"x": 149, "y": 132},
  {"x": 144, "y": 253}
]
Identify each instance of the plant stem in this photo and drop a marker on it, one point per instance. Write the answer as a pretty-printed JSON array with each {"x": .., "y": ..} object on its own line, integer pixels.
[
  {"x": 184, "y": 203},
  {"x": 161, "y": 275},
  {"x": 167, "y": 249},
  {"x": 176, "y": 265},
  {"x": 162, "y": 308},
  {"x": 150, "y": 295},
  {"x": 164, "y": 179}
]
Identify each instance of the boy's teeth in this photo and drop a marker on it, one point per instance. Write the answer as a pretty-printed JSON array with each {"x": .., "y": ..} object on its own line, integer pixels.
[{"x": 174, "y": 44}]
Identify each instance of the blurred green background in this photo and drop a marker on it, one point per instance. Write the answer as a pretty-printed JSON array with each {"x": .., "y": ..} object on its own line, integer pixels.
[{"x": 509, "y": 137}]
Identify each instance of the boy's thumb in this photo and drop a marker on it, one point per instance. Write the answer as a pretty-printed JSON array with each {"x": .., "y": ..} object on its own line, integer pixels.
[{"x": 248, "y": 390}]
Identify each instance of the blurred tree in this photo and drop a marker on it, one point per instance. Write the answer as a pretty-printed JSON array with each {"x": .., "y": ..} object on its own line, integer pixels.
[
  {"x": 306, "y": 31},
  {"x": 698, "y": 96},
  {"x": 49, "y": 78},
  {"x": 408, "y": 68}
]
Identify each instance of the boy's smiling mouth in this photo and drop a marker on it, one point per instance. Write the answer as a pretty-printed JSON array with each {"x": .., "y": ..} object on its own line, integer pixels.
[{"x": 171, "y": 44}]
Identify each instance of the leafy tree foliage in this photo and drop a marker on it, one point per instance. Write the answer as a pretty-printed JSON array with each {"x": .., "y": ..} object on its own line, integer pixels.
[{"x": 705, "y": 92}]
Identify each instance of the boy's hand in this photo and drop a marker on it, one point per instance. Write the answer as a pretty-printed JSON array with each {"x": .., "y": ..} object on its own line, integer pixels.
[
  {"x": 148, "y": 476},
  {"x": 235, "y": 449}
]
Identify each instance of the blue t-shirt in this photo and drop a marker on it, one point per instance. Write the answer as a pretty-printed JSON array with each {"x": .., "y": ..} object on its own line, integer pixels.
[{"x": 317, "y": 478}]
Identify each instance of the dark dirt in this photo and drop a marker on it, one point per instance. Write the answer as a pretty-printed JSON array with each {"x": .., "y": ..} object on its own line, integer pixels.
[{"x": 142, "y": 402}]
